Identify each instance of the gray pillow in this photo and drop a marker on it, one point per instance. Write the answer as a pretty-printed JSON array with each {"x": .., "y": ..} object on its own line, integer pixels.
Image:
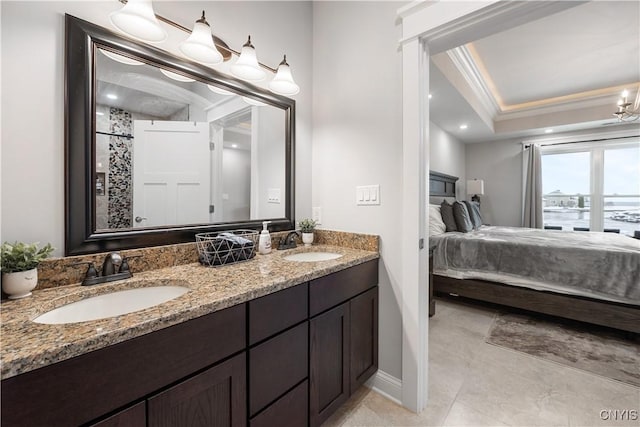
[
  {"x": 462, "y": 217},
  {"x": 474, "y": 212},
  {"x": 446, "y": 212}
]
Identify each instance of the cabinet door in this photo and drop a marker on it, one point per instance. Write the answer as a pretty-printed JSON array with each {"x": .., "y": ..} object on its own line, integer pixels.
[
  {"x": 134, "y": 416},
  {"x": 216, "y": 397},
  {"x": 329, "y": 363},
  {"x": 364, "y": 337}
]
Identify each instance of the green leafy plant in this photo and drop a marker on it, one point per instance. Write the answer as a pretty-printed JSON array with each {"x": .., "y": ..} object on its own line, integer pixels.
[
  {"x": 307, "y": 225},
  {"x": 20, "y": 256}
]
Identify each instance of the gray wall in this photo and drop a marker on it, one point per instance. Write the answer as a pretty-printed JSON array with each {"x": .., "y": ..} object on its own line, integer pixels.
[
  {"x": 448, "y": 155},
  {"x": 499, "y": 164},
  {"x": 357, "y": 140}
]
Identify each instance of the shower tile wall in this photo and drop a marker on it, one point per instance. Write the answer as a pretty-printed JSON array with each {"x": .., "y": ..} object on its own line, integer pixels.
[{"x": 119, "y": 176}]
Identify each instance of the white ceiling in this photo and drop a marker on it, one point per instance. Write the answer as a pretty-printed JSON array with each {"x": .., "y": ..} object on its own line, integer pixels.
[{"x": 562, "y": 72}]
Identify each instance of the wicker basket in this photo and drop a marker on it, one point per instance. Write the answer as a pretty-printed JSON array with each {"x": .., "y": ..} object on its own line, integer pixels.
[{"x": 228, "y": 247}]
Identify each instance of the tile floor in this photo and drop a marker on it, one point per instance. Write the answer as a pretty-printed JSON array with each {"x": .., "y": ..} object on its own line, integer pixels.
[{"x": 472, "y": 383}]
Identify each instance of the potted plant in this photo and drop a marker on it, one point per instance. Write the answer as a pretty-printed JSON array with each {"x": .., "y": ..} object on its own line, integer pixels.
[
  {"x": 306, "y": 227},
  {"x": 18, "y": 263}
]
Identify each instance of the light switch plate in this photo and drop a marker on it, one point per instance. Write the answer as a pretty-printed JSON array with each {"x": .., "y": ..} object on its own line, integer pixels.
[
  {"x": 368, "y": 195},
  {"x": 273, "y": 195},
  {"x": 316, "y": 214}
]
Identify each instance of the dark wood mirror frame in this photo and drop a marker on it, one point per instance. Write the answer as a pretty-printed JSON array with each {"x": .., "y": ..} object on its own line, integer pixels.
[{"x": 80, "y": 230}]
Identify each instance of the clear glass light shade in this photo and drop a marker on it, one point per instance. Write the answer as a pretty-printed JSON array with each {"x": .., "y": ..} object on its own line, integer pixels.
[
  {"x": 199, "y": 46},
  {"x": 219, "y": 91},
  {"x": 246, "y": 67},
  {"x": 176, "y": 76},
  {"x": 138, "y": 20},
  {"x": 283, "y": 83},
  {"x": 120, "y": 58}
]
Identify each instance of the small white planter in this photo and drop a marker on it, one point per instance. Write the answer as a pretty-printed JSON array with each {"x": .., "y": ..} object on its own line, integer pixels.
[
  {"x": 19, "y": 284},
  {"x": 307, "y": 239}
]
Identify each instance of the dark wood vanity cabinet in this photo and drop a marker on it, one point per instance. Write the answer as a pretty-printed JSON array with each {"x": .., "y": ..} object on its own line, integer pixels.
[
  {"x": 329, "y": 370},
  {"x": 94, "y": 386},
  {"x": 215, "y": 397},
  {"x": 287, "y": 359},
  {"x": 343, "y": 337}
]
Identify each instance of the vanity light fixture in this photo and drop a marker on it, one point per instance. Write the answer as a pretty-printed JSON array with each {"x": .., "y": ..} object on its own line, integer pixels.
[
  {"x": 627, "y": 111},
  {"x": 120, "y": 58},
  {"x": 252, "y": 101},
  {"x": 246, "y": 67},
  {"x": 138, "y": 20},
  {"x": 219, "y": 91},
  {"x": 283, "y": 82},
  {"x": 176, "y": 76},
  {"x": 199, "y": 46}
]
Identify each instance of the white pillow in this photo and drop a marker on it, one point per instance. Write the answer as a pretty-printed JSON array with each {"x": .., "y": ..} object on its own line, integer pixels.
[{"x": 436, "y": 225}]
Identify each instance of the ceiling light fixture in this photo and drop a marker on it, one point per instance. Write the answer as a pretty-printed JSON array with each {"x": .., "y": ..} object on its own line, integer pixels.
[
  {"x": 112, "y": 96},
  {"x": 138, "y": 20},
  {"x": 199, "y": 46},
  {"x": 463, "y": 127},
  {"x": 627, "y": 111},
  {"x": 548, "y": 130},
  {"x": 246, "y": 67}
]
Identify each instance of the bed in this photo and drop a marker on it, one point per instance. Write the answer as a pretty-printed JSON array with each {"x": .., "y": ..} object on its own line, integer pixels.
[{"x": 590, "y": 277}]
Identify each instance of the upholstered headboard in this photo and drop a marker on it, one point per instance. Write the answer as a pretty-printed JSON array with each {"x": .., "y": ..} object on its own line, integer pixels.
[{"x": 442, "y": 185}]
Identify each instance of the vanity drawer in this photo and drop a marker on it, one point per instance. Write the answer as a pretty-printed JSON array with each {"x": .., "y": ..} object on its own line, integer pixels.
[
  {"x": 333, "y": 289},
  {"x": 291, "y": 410},
  {"x": 277, "y": 365},
  {"x": 276, "y": 312}
]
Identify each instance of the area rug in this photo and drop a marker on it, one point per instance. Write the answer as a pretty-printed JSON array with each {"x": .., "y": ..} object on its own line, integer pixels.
[{"x": 597, "y": 350}]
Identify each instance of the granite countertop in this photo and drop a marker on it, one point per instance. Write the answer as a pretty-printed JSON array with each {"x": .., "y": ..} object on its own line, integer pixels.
[{"x": 27, "y": 345}]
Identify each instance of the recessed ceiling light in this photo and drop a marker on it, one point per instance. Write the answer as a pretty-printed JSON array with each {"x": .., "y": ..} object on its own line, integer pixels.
[
  {"x": 430, "y": 96},
  {"x": 112, "y": 96},
  {"x": 234, "y": 145},
  {"x": 99, "y": 113},
  {"x": 548, "y": 130},
  {"x": 463, "y": 127}
]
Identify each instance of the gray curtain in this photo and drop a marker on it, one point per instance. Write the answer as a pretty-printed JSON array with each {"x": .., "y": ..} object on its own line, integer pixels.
[{"x": 533, "y": 189}]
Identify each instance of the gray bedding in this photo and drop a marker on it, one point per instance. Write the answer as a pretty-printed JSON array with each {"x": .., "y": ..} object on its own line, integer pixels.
[{"x": 598, "y": 265}]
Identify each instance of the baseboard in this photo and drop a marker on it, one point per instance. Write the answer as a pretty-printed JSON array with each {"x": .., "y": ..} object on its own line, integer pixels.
[{"x": 387, "y": 385}]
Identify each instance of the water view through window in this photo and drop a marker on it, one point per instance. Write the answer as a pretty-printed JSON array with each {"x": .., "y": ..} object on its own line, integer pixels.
[{"x": 566, "y": 183}]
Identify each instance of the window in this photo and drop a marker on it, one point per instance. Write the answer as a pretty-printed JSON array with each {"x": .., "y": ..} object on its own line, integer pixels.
[{"x": 594, "y": 186}]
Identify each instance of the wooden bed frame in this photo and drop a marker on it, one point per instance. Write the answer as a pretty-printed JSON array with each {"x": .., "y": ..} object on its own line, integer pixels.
[{"x": 621, "y": 316}]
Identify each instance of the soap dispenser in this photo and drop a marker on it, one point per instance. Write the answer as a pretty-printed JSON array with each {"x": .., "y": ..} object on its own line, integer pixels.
[{"x": 264, "y": 244}]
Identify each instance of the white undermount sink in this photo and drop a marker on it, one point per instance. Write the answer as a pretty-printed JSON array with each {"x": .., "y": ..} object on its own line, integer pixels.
[
  {"x": 111, "y": 304},
  {"x": 312, "y": 256}
]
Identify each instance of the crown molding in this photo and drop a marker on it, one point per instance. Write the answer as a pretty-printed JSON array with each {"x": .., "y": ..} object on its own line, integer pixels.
[{"x": 466, "y": 65}]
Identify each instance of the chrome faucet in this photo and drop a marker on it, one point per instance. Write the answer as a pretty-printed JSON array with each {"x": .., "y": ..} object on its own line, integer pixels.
[{"x": 289, "y": 241}]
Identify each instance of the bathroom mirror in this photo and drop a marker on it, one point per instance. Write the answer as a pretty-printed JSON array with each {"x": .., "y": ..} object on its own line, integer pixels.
[{"x": 159, "y": 148}]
